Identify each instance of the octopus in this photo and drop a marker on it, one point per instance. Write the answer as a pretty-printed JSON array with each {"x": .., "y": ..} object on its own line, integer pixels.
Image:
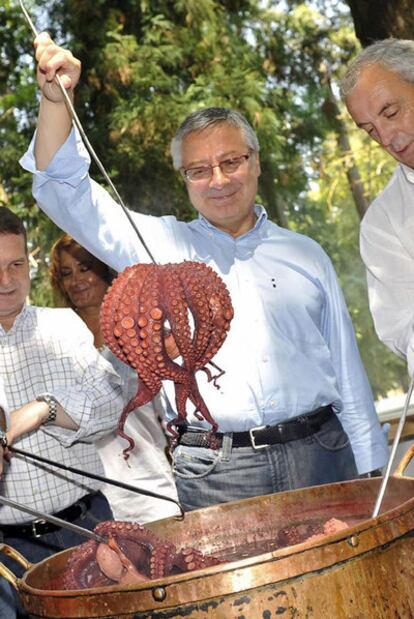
[
  {"x": 148, "y": 305},
  {"x": 309, "y": 532},
  {"x": 132, "y": 554}
]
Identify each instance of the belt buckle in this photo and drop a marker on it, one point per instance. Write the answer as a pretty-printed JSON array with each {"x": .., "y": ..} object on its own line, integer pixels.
[
  {"x": 252, "y": 438},
  {"x": 33, "y": 526}
]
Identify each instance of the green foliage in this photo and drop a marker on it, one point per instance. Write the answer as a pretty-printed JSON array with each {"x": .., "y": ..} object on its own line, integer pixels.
[
  {"x": 333, "y": 220},
  {"x": 18, "y": 111}
]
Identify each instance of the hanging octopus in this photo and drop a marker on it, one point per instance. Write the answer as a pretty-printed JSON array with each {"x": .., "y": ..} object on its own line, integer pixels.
[{"x": 148, "y": 301}]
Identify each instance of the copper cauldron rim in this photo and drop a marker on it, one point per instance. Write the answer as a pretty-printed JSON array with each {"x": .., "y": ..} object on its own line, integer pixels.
[
  {"x": 217, "y": 529},
  {"x": 281, "y": 553}
]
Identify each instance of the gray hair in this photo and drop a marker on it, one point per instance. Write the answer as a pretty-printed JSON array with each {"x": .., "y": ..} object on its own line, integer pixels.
[
  {"x": 394, "y": 54},
  {"x": 209, "y": 117}
]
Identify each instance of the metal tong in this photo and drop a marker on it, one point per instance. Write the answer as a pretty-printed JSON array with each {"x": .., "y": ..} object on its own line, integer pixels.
[
  {"x": 393, "y": 450},
  {"x": 106, "y": 480},
  {"x": 64, "y": 524}
]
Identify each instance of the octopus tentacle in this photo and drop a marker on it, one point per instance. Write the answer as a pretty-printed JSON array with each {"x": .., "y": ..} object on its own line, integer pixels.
[
  {"x": 133, "y": 554},
  {"x": 178, "y": 312},
  {"x": 196, "y": 294},
  {"x": 210, "y": 375},
  {"x": 221, "y": 314},
  {"x": 143, "y": 396},
  {"x": 110, "y": 316}
]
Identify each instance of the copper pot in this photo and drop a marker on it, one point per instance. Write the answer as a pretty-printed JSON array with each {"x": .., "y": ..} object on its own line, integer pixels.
[{"x": 362, "y": 572}]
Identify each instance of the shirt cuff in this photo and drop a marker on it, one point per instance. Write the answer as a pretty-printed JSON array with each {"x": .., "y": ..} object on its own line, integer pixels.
[
  {"x": 69, "y": 165},
  {"x": 377, "y": 458},
  {"x": 76, "y": 405}
]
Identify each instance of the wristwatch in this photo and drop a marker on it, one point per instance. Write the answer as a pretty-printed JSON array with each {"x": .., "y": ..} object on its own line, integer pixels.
[
  {"x": 3, "y": 439},
  {"x": 52, "y": 404}
]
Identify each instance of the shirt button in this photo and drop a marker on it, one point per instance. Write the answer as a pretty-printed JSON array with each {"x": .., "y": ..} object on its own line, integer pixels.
[
  {"x": 273, "y": 403},
  {"x": 410, "y": 177},
  {"x": 265, "y": 359}
]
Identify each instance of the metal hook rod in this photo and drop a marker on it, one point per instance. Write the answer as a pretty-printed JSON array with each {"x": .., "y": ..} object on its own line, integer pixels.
[
  {"x": 89, "y": 146},
  {"x": 393, "y": 450},
  {"x": 107, "y": 480},
  {"x": 63, "y": 524}
]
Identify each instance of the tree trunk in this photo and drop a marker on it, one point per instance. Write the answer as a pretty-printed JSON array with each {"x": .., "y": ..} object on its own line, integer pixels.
[
  {"x": 274, "y": 202},
  {"x": 333, "y": 114},
  {"x": 379, "y": 19}
]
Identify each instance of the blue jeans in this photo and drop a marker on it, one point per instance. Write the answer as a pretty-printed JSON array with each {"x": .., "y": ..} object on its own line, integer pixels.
[
  {"x": 37, "y": 549},
  {"x": 206, "y": 476}
]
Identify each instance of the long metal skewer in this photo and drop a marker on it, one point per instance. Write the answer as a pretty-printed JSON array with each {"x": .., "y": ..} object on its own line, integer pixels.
[
  {"x": 393, "y": 450},
  {"x": 89, "y": 146},
  {"x": 54, "y": 520},
  {"x": 113, "y": 482}
]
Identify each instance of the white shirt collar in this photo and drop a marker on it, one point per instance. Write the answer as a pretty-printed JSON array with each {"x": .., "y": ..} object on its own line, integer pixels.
[
  {"x": 408, "y": 173},
  {"x": 260, "y": 221}
]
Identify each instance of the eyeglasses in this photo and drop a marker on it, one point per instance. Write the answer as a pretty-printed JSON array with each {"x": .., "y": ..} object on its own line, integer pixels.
[{"x": 227, "y": 167}]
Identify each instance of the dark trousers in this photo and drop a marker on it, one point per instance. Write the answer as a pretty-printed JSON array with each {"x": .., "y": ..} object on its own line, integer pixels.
[{"x": 36, "y": 549}]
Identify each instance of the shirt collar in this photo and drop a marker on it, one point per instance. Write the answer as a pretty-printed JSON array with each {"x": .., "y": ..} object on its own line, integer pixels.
[
  {"x": 261, "y": 215},
  {"x": 408, "y": 173},
  {"x": 18, "y": 322}
]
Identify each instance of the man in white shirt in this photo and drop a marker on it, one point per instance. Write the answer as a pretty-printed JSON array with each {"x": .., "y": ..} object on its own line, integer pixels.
[
  {"x": 59, "y": 395},
  {"x": 294, "y": 407},
  {"x": 378, "y": 89}
]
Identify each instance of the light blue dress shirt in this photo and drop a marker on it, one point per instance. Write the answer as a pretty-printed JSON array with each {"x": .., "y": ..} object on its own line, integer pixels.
[{"x": 291, "y": 346}]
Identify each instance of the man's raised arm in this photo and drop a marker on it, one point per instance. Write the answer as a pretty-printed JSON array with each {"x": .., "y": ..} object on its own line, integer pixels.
[{"x": 55, "y": 121}]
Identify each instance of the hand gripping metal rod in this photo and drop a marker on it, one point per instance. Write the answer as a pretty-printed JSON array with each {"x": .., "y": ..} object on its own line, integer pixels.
[
  {"x": 63, "y": 524},
  {"x": 393, "y": 450},
  {"x": 89, "y": 146}
]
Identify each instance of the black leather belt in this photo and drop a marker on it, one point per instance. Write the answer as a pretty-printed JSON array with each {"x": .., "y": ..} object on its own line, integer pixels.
[
  {"x": 263, "y": 436},
  {"x": 37, "y": 528}
]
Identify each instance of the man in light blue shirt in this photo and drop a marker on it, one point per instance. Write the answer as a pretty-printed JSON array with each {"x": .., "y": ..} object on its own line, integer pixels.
[{"x": 291, "y": 360}]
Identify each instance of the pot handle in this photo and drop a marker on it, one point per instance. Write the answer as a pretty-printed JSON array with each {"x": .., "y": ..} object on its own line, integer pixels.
[
  {"x": 13, "y": 554},
  {"x": 405, "y": 461}
]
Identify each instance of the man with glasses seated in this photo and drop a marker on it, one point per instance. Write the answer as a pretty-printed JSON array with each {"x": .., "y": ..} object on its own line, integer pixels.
[{"x": 294, "y": 407}]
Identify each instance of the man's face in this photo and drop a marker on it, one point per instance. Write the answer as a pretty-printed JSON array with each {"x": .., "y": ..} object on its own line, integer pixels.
[
  {"x": 14, "y": 277},
  {"x": 226, "y": 200},
  {"x": 383, "y": 105}
]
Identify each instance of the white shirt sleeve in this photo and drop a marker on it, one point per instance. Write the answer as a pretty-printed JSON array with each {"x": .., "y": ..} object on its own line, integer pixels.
[
  {"x": 84, "y": 209},
  {"x": 390, "y": 276}
]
